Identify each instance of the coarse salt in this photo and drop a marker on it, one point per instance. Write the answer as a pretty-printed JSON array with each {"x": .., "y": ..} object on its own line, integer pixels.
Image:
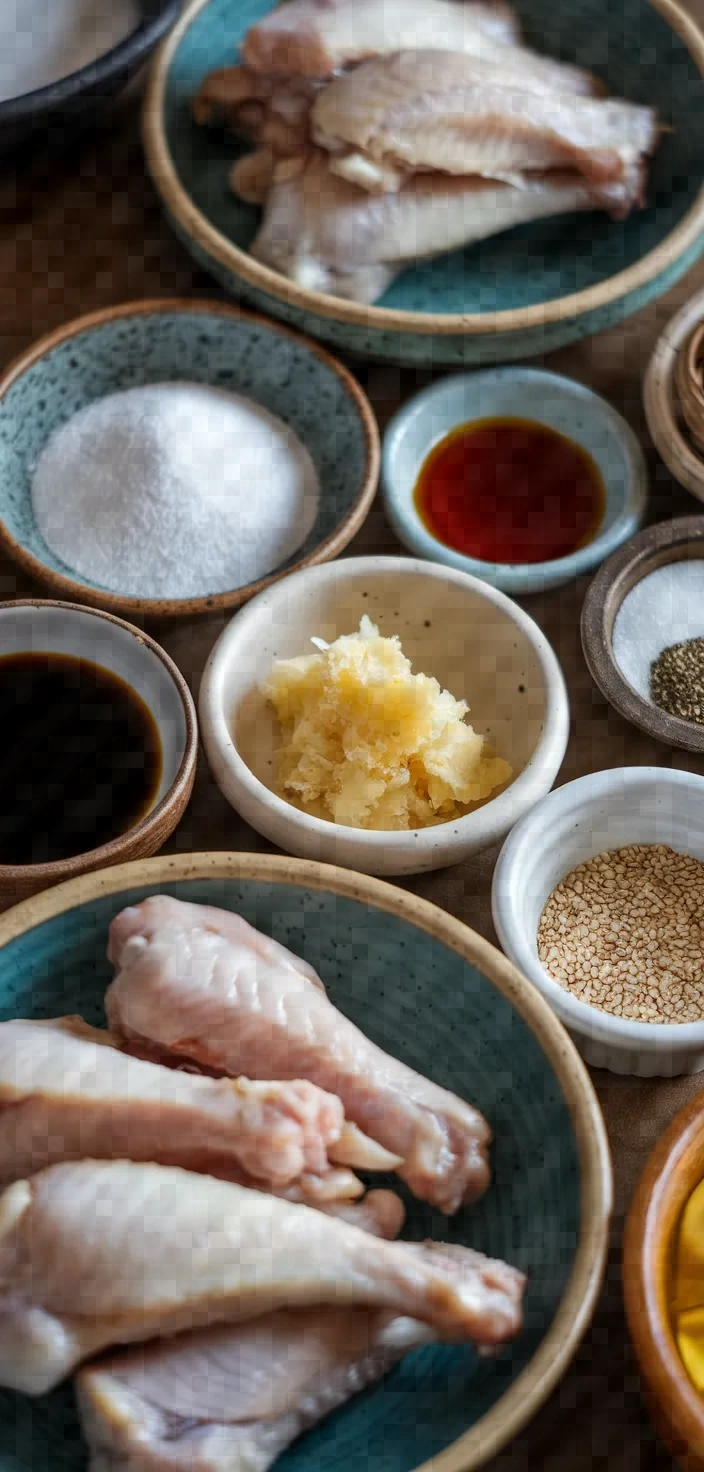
[
  {"x": 174, "y": 490},
  {"x": 665, "y": 607}
]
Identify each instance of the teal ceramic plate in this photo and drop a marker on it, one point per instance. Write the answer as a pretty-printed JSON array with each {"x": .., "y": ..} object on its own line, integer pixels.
[
  {"x": 206, "y": 342},
  {"x": 523, "y": 292},
  {"x": 436, "y": 995}
]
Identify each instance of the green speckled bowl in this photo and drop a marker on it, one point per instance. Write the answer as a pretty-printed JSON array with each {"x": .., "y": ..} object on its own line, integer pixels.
[
  {"x": 521, "y": 293},
  {"x": 209, "y": 342},
  {"x": 431, "y": 991}
]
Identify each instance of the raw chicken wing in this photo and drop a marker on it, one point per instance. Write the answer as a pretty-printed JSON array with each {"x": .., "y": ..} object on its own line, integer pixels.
[
  {"x": 67, "y": 1092},
  {"x": 235, "y": 1398},
  {"x": 315, "y": 38},
  {"x": 200, "y": 983},
  {"x": 435, "y": 110},
  {"x": 99, "y": 1253},
  {"x": 323, "y": 232}
]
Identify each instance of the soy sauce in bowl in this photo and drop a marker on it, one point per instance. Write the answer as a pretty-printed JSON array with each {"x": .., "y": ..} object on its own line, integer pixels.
[
  {"x": 509, "y": 490},
  {"x": 80, "y": 757}
]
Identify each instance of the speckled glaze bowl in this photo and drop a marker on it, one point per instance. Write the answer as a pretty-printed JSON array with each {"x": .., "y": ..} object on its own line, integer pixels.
[
  {"x": 526, "y": 393},
  {"x": 434, "y": 993},
  {"x": 155, "y": 341},
  {"x": 525, "y": 292}
]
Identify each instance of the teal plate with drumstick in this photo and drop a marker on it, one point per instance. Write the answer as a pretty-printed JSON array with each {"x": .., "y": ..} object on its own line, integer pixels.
[{"x": 433, "y": 993}]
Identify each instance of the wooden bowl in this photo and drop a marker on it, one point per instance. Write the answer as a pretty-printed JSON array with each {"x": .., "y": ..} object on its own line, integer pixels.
[
  {"x": 523, "y": 292},
  {"x": 431, "y": 991},
  {"x": 674, "y": 1168},
  {"x": 667, "y": 541},
  {"x": 673, "y": 403},
  {"x": 689, "y": 384},
  {"x": 206, "y": 342},
  {"x": 67, "y": 628}
]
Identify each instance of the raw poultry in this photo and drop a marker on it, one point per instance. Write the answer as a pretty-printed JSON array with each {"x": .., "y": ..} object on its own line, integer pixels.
[
  {"x": 235, "y": 1316},
  {"x": 426, "y": 111},
  {"x": 192, "y": 981},
  {"x": 411, "y": 98},
  {"x": 325, "y": 233},
  {"x": 97, "y": 1253},
  {"x": 313, "y": 38},
  {"x": 235, "y": 1397},
  {"x": 67, "y": 1091}
]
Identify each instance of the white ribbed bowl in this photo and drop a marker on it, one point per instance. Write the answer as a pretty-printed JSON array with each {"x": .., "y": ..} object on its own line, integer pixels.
[{"x": 606, "y": 810}]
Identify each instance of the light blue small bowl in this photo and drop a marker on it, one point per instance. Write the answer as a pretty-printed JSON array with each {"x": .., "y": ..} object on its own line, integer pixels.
[{"x": 526, "y": 393}]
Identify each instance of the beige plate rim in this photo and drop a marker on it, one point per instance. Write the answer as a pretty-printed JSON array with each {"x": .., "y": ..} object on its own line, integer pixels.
[
  {"x": 334, "y": 543},
  {"x": 523, "y": 1399},
  {"x": 184, "y": 212}
]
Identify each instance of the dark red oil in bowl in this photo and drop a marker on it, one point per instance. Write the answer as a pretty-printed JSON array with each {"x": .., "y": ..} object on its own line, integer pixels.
[{"x": 510, "y": 490}]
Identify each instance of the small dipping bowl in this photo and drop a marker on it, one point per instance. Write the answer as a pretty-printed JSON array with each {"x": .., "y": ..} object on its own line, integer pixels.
[
  {"x": 38, "y": 626},
  {"x": 626, "y": 622},
  {"x": 672, "y": 1172},
  {"x": 603, "y": 811},
  {"x": 547, "y": 399},
  {"x": 477, "y": 643}
]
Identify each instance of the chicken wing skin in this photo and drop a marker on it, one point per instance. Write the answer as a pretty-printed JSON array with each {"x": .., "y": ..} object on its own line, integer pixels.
[
  {"x": 438, "y": 110},
  {"x": 324, "y": 232},
  {"x": 195, "y": 981},
  {"x": 100, "y": 1253},
  {"x": 230, "y": 1399},
  {"x": 67, "y": 1091},
  {"x": 316, "y": 38}
]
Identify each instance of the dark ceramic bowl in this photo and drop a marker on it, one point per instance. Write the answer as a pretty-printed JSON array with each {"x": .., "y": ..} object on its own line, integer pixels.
[{"x": 57, "y": 113}]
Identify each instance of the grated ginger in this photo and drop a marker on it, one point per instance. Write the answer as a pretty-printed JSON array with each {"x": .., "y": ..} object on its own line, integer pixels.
[{"x": 371, "y": 745}]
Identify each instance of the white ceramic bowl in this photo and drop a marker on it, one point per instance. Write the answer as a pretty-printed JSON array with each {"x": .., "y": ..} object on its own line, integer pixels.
[
  {"x": 43, "y": 626},
  {"x": 475, "y": 641},
  {"x": 606, "y": 810},
  {"x": 525, "y": 393}
]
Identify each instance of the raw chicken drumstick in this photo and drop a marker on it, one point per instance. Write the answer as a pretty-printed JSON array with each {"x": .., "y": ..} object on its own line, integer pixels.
[
  {"x": 67, "y": 1092},
  {"x": 100, "y": 1253},
  {"x": 201, "y": 983},
  {"x": 231, "y": 1398}
]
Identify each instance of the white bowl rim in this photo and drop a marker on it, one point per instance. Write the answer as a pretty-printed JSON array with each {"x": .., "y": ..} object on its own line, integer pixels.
[
  {"x": 180, "y": 208},
  {"x": 106, "y": 853},
  {"x": 516, "y": 577},
  {"x": 578, "y": 1016},
  {"x": 484, "y": 820}
]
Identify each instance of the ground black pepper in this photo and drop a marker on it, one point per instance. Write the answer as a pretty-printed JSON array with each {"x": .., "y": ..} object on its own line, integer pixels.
[{"x": 677, "y": 680}]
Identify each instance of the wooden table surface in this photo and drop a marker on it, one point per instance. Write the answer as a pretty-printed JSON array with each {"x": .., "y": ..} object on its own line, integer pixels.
[{"x": 85, "y": 232}]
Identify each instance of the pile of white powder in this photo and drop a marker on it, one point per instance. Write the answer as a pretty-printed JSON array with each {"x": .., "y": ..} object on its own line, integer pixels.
[
  {"x": 175, "y": 490},
  {"x": 42, "y": 41},
  {"x": 666, "y": 607}
]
